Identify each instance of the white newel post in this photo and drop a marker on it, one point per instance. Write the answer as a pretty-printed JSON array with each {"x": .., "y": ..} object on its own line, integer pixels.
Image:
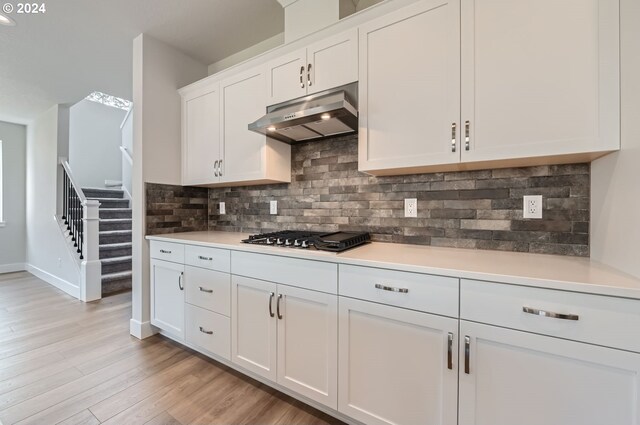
[{"x": 91, "y": 267}]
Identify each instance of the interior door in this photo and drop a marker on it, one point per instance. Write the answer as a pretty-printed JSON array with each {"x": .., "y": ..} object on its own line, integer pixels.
[
  {"x": 410, "y": 87},
  {"x": 527, "y": 379}
]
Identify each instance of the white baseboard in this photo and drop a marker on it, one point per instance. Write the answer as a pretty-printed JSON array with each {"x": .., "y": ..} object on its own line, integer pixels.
[
  {"x": 141, "y": 330},
  {"x": 10, "y": 268},
  {"x": 61, "y": 284}
]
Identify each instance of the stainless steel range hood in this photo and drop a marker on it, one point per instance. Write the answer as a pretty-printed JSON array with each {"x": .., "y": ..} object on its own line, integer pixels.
[{"x": 317, "y": 116}]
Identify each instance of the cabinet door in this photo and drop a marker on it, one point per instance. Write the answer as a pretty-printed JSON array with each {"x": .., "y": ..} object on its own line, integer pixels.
[
  {"x": 540, "y": 77},
  {"x": 410, "y": 88},
  {"x": 287, "y": 78},
  {"x": 167, "y": 297},
  {"x": 394, "y": 365},
  {"x": 332, "y": 62},
  {"x": 201, "y": 137},
  {"x": 253, "y": 325},
  {"x": 308, "y": 343},
  {"x": 528, "y": 379},
  {"x": 243, "y": 101}
]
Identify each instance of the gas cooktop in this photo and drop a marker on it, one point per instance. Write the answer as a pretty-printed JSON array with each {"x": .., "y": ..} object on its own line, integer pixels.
[{"x": 300, "y": 239}]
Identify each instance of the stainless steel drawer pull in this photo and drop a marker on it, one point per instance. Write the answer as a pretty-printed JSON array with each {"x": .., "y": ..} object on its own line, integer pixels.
[
  {"x": 162, "y": 251},
  {"x": 392, "y": 289},
  {"x": 278, "y": 306},
  {"x": 467, "y": 353},
  {"x": 551, "y": 314},
  {"x": 450, "y": 351},
  {"x": 453, "y": 137},
  {"x": 180, "y": 285},
  {"x": 271, "y": 295},
  {"x": 205, "y": 258},
  {"x": 467, "y": 131},
  {"x": 204, "y": 331},
  {"x": 215, "y": 169},
  {"x": 208, "y": 291},
  {"x": 301, "y": 81}
]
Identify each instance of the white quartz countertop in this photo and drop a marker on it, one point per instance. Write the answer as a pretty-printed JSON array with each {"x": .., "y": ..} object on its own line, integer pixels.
[{"x": 545, "y": 271}]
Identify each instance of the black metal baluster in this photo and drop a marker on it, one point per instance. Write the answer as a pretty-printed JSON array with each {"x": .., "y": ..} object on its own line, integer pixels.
[
  {"x": 81, "y": 228},
  {"x": 64, "y": 198},
  {"x": 74, "y": 222},
  {"x": 68, "y": 198}
]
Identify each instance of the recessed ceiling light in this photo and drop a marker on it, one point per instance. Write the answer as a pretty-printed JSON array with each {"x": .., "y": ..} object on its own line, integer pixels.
[{"x": 5, "y": 20}]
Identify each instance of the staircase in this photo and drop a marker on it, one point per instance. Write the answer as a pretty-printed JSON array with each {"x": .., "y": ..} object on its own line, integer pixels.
[{"x": 115, "y": 239}]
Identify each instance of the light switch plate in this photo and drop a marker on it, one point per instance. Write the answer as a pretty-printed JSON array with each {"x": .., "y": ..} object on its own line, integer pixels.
[
  {"x": 273, "y": 207},
  {"x": 532, "y": 206},
  {"x": 223, "y": 209}
]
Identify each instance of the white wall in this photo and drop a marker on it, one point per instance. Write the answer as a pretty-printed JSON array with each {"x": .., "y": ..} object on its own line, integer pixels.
[
  {"x": 246, "y": 54},
  {"x": 48, "y": 255},
  {"x": 13, "y": 233},
  {"x": 94, "y": 143},
  {"x": 126, "y": 129},
  {"x": 615, "y": 179},
  {"x": 159, "y": 70}
]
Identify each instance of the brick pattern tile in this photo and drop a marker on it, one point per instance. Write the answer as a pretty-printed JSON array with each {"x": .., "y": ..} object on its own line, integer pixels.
[
  {"x": 173, "y": 209},
  {"x": 469, "y": 209}
]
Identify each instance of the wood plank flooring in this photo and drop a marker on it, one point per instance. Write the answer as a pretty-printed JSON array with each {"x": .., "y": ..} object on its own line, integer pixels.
[{"x": 72, "y": 363}]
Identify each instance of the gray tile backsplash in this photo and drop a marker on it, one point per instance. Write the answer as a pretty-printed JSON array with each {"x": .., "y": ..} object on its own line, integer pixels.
[{"x": 471, "y": 209}]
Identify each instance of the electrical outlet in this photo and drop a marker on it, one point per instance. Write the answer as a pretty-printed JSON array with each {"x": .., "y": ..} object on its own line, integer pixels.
[
  {"x": 411, "y": 207},
  {"x": 273, "y": 207},
  {"x": 532, "y": 206},
  {"x": 223, "y": 209}
]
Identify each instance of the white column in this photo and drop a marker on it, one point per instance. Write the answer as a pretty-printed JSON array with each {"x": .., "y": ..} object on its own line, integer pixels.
[{"x": 91, "y": 267}]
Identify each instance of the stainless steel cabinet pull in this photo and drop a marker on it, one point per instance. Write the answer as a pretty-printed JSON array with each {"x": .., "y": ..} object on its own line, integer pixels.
[
  {"x": 204, "y": 331},
  {"x": 453, "y": 137},
  {"x": 392, "y": 289},
  {"x": 309, "y": 75},
  {"x": 301, "y": 80},
  {"x": 208, "y": 291},
  {"x": 450, "y": 351},
  {"x": 467, "y": 352},
  {"x": 551, "y": 314},
  {"x": 180, "y": 285},
  {"x": 220, "y": 168},
  {"x": 215, "y": 169},
  {"x": 278, "y": 306},
  {"x": 467, "y": 126},
  {"x": 271, "y": 295},
  {"x": 165, "y": 251},
  {"x": 205, "y": 258}
]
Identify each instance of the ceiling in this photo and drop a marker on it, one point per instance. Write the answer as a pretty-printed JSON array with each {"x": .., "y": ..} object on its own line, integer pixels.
[{"x": 80, "y": 46}]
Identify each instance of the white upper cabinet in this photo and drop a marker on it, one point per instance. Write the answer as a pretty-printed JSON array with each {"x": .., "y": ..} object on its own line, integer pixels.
[
  {"x": 217, "y": 147},
  {"x": 249, "y": 156},
  {"x": 201, "y": 145},
  {"x": 410, "y": 88},
  {"x": 479, "y": 84},
  {"x": 329, "y": 63},
  {"x": 540, "y": 78}
]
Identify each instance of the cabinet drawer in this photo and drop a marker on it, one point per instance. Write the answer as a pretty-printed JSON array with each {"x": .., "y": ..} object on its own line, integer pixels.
[
  {"x": 609, "y": 321},
  {"x": 167, "y": 251},
  {"x": 308, "y": 274},
  {"x": 208, "y": 330},
  {"x": 208, "y": 289},
  {"x": 209, "y": 258},
  {"x": 428, "y": 293}
]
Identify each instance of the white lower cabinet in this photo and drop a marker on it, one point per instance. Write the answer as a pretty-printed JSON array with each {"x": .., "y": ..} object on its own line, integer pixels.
[
  {"x": 516, "y": 377},
  {"x": 288, "y": 335},
  {"x": 167, "y": 297},
  {"x": 396, "y": 366}
]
